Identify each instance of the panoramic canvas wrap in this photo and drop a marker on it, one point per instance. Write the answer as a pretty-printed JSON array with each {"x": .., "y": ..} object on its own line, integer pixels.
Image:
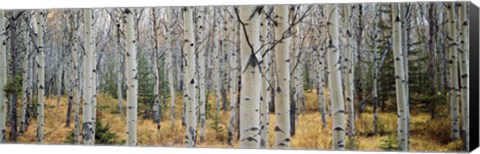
[{"x": 353, "y": 76}]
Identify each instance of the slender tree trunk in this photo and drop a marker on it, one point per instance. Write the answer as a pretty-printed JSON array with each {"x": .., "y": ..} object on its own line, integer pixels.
[
  {"x": 251, "y": 77},
  {"x": 76, "y": 82},
  {"x": 41, "y": 76},
  {"x": 88, "y": 124},
  {"x": 282, "y": 89},
  {"x": 233, "y": 79},
  {"x": 217, "y": 64},
  {"x": 464, "y": 74},
  {"x": 156, "y": 87},
  {"x": 402, "y": 105},
  {"x": 202, "y": 71},
  {"x": 3, "y": 76},
  {"x": 432, "y": 63},
  {"x": 131, "y": 74},
  {"x": 265, "y": 91},
  {"x": 349, "y": 78},
  {"x": 321, "y": 76},
  {"x": 171, "y": 68},
  {"x": 26, "y": 78},
  {"x": 375, "y": 75},
  {"x": 334, "y": 81},
  {"x": 189, "y": 96},
  {"x": 118, "y": 68},
  {"x": 453, "y": 62}
]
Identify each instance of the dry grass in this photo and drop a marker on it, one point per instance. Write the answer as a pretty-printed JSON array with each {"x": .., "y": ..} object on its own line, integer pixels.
[{"x": 426, "y": 134}]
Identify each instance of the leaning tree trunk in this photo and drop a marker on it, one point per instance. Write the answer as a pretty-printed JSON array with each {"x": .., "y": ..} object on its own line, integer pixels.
[
  {"x": 3, "y": 76},
  {"x": 282, "y": 88},
  {"x": 265, "y": 91},
  {"x": 453, "y": 62},
  {"x": 132, "y": 81},
  {"x": 88, "y": 124},
  {"x": 464, "y": 69},
  {"x": 402, "y": 104},
  {"x": 189, "y": 96},
  {"x": 76, "y": 81},
  {"x": 26, "y": 78},
  {"x": 334, "y": 80},
  {"x": 251, "y": 77},
  {"x": 41, "y": 76}
]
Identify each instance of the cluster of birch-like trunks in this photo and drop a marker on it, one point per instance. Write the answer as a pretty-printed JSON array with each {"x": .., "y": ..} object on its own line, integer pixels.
[{"x": 266, "y": 60}]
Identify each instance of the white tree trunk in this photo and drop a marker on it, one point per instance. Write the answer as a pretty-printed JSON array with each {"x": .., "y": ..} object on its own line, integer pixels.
[
  {"x": 402, "y": 104},
  {"x": 282, "y": 88},
  {"x": 3, "y": 76},
  {"x": 118, "y": 67},
  {"x": 88, "y": 123},
  {"x": 349, "y": 78},
  {"x": 26, "y": 78},
  {"x": 334, "y": 79},
  {"x": 41, "y": 76},
  {"x": 375, "y": 75},
  {"x": 233, "y": 79},
  {"x": 132, "y": 80},
  {"x": 170, "y": 68},
  {"x": 189, "y": 96},
  {"x": 464, "y": 73},
  {"x": 202, "y": 71},
  {"x": 251, "y": 78},
  {"x": 75, "y": 65},
  {"x": 265, "y": 91},
  {"x": 453, "y": 62},
  {"x": 156, "y": 87}
]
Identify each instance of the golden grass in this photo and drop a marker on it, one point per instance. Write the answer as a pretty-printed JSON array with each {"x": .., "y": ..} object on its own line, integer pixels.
[{"x": 426, "y": 134}]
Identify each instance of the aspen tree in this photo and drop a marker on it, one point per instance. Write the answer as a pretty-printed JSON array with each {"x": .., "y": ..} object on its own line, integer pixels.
[
  {"x": 131, "y": 74},
  {"x": 170, "y": 67},
  {"x": 88, "y": 124},
  {"x": 402, "y": 104},
  {"x": 375, "y": 74},
  {"x": 118, "y": 68},
  {"x": 233, "y": 77},
  {"x": 453, "y": 62},
  {"x": 75, "y": 65},
  {"x": 334, "y": 79},
  {"x": 350, "y": 65},
  {"x": 26, "y": 78},
  {"x": 321, "y": 73},
  {"x": 189, "y": 96},
  {"x": 3, "y": 76},
  {"x": 251, "y": 77},
  {"x": 41, "y": 76},
  {"x": 265, "y": 91},
  {"x": 293, "y": 61},
  {"x": 202, "y": 71},
  {"x": 464, "y": 73},
  {"x": 282, "y": 89},
  {"x": 156, "y": 87}
]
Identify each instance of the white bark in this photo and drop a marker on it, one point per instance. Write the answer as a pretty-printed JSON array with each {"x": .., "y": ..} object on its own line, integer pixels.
[
  {"x": 350, "y": 67},
  {"x": 233, "y": 79},
  {"x": 282, "y": 88},
  {"x": 189, "y": 96},
  {"x": 453, "y": 63},
  {"x": 88, "y": 123},
  {"x": 202, "y": 71},
  {"x": 402, "y": 104},
  {"x": 3, "y": 76},
  {"x": 464, "y": 73},
  {"x": 250, "y": 79},
  {"x": 265, "y": 91},
  {"x": 41, "y": 76},
  {"x": 334, "y": 79},
  {"x": 132, "y": 80},
  {"x": 26, "y": 78},
  {"x": 156, "y": 87},
  {"x": 170, "y": 68},
  {"x": 75, "y": 65}
]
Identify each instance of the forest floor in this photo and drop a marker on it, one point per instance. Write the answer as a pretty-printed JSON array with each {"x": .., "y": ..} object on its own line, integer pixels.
[{"x": 426, "y": 134}]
